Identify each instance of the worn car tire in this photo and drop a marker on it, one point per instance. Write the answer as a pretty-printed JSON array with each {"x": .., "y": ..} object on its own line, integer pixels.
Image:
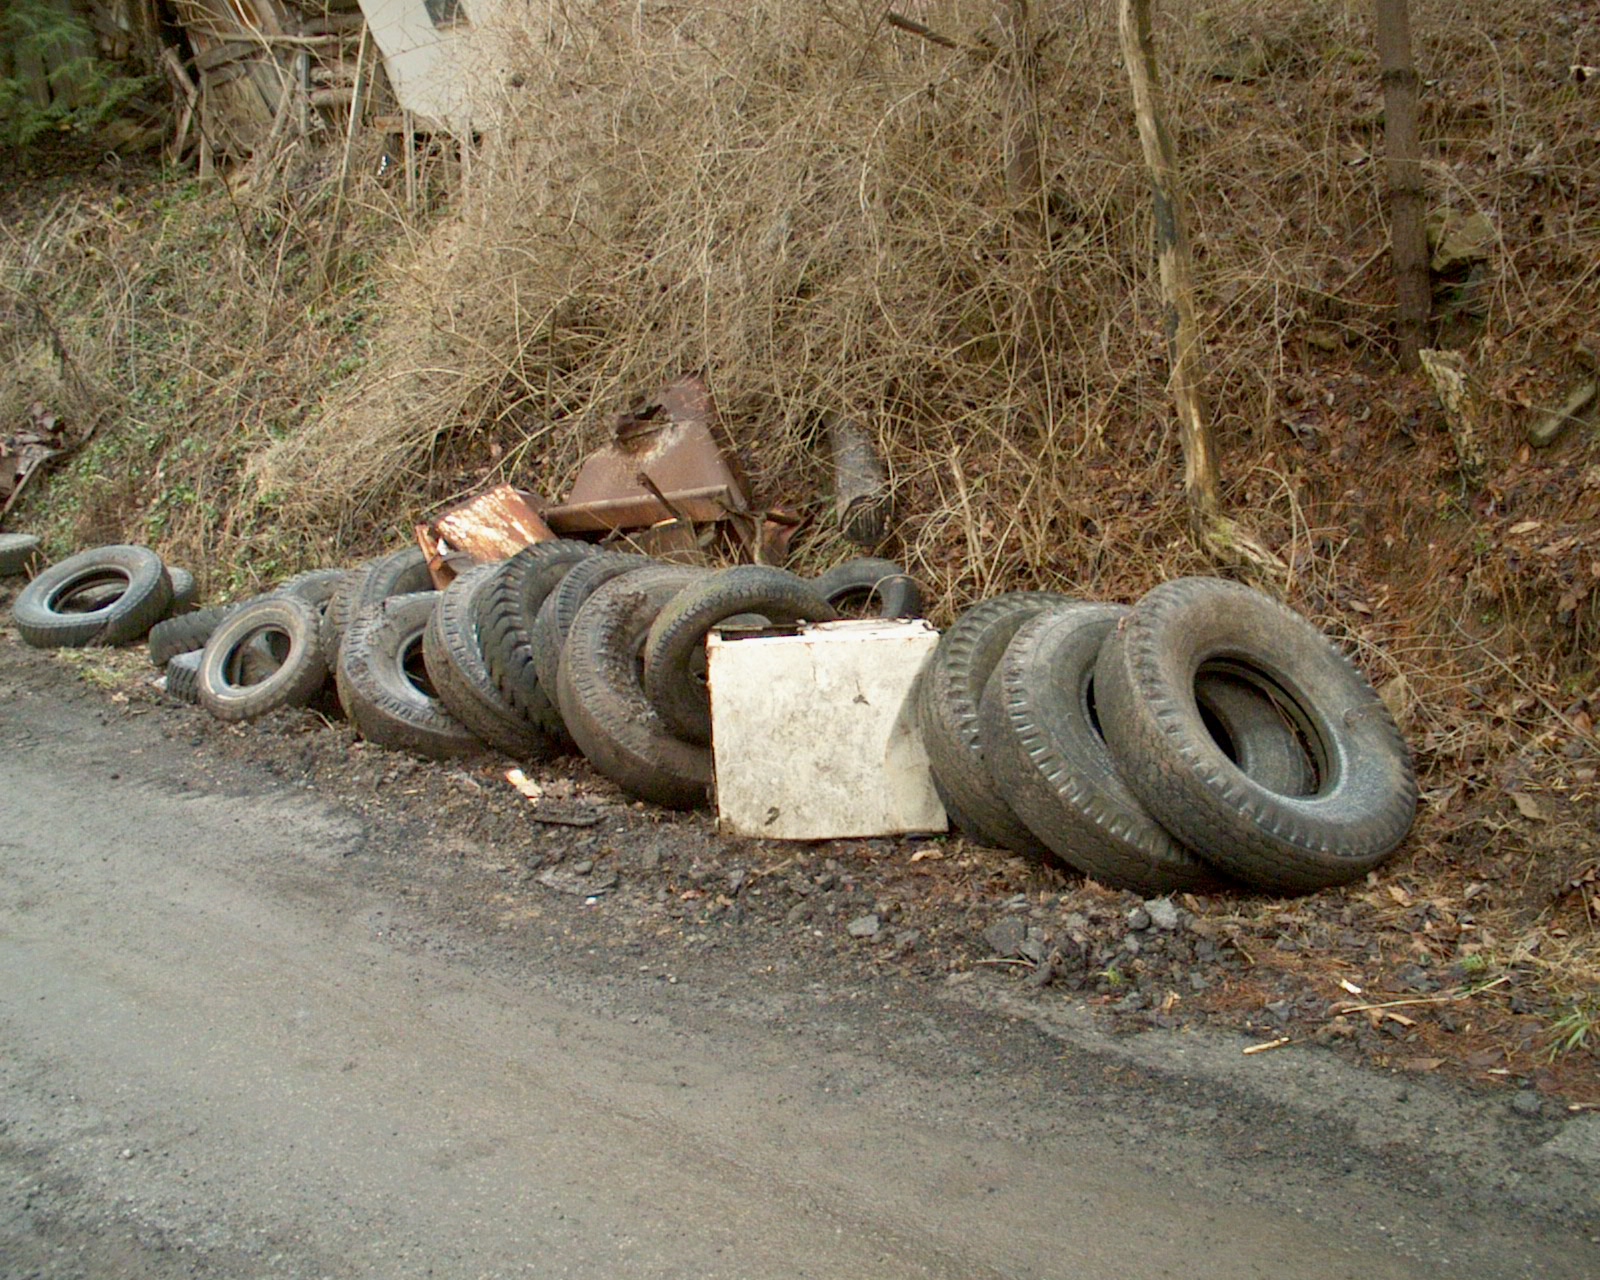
[
  {"x": 184, "y": 633},
  {"x": 400, "y": 573},
  {"x": 506, "y": 611},
  {"x": 1366, "y": 794},
  {"x": 868, "y": 587},
  {"x": 19, "y": 554},
  {"x": 185, "y": 591},
  {"x": 603, "y": 701},
  {"x": 460, "y": 676},
  {"x": 675, "y": 650},
  {"x": 948, "y": 695},
  {"x": 315, "y": 586},
  {"x": 383, "y": 685},
  {"x": 141, "y": 603},
  {"x": 232, "y": 689},
  {"x": 183, "y": 677},
  {"x": 547, "y": 637},
  {"x": 1045, "y": 753}
]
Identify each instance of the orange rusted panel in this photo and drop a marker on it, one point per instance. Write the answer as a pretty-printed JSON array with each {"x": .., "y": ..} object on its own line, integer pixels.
[
  {"x": 670, "y": 460},
  {"x": 493, "y": 526}
]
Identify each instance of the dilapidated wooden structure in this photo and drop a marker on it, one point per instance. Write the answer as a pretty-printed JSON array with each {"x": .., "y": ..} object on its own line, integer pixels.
[{"x": 247, "y": 73}]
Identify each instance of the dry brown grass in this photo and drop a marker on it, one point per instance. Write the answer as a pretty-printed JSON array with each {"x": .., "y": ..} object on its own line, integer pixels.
[{"x": 810, "y": 206}]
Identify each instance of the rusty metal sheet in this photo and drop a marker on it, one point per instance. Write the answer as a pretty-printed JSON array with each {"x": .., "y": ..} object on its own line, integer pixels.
[
  {"x": 492, "y": 526},
  {"x": 698, "y": 506},
  {"x": 670, "y": 460}
]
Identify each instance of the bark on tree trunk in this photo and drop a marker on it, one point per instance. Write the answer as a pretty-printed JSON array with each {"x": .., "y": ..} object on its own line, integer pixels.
[
  {"x": 1403, "y": 151},
  {"x": 1172, "y": 249},
  {"x": 863, "y": 500},
  {"x": 1024, "y": 179},
  {"x": 1024, "y": 174},
  {"x": 1217, "y": 534}
]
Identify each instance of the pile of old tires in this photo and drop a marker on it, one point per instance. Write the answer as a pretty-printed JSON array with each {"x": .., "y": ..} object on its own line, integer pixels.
[
  {"x": 606, "y": 650},
  {"x": 563, "y": 645},
  {"x": 111, "y": 595},
  {"x": 1207, "y": 735}
]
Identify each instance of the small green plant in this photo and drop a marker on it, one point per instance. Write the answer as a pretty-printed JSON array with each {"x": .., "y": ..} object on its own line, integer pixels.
[
  {"x": 1577, "y": 1030},
  {"x": 97, "y": 667},
  {"x": 71, "y": 90},
  {"x": 1475, "y": 965}
]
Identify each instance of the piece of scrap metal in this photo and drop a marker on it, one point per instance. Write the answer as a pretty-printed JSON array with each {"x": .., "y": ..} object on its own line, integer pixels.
[
  {"x": 814, "y": 730},
  {"x": 25, "y": 451},
  {"x": 492, "y": 526},
  {"x": 670, "y": 460}
]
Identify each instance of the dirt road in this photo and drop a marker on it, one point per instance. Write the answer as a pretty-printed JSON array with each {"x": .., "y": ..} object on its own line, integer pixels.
[{"x": 246, "y": 1032}]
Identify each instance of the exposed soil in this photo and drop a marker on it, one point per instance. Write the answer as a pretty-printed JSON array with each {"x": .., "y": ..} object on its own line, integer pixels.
[{"x": 1364, "y": 969}]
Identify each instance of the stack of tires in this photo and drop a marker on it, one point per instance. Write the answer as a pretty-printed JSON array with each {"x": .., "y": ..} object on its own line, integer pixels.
[
  {"x": 1207, "y": 735},
  {"x": 110, "y": 595},
  {"x": 606, "y": 651},
  {"x": 561, "y": 646}
]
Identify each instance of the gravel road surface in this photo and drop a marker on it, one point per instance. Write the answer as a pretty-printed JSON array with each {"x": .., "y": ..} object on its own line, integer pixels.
[{"x": 248, "y": 1030}]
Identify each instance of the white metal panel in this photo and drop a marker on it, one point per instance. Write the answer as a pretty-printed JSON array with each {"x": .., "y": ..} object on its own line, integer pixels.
[
  {"x": 435, "y": 67},
  {"x": 814, "y": 735}
]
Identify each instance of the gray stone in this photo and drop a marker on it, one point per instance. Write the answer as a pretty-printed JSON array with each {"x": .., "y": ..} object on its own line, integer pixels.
[
  {"x": 1578, "y": 1140},
  {"x": 1525, "y": 1102},
  {"x": 864, "y": 927},
  {"x": 1542, "y": 433},
  {"x": 1034, "y": 947},
  {"x": 1459, "y": 239},
  {"x": 1162, "y": 913},
  {"x": 589, "y": 886},
  {"x": 1007, "y": 937},
  {"x": 1138, "y": 919}
]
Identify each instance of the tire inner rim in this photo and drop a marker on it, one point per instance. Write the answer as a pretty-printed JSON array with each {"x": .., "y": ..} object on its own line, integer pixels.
[
  {"x": 80, "y": 594},
  {"x": 415, "y": 669},
  {"x": 1294, "y": 710}
]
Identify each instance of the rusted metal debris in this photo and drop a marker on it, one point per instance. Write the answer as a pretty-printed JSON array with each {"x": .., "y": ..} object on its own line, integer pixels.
[
  {"x": 668, "y": 486},
  {"x": 492, "y": 526},
  {"x": 669, "y": 461},
  {"x": 26, "y": 450}
]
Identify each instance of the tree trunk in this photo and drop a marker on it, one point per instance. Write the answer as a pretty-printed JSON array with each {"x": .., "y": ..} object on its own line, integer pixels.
[
  {"x": 1172, "y": 249},
  {"x": 1024, "y": 179},
  {"x": 1018, "y": 72},
  {"x": 1403, "y": 150},
  {"x": 1219, "y": 536}
]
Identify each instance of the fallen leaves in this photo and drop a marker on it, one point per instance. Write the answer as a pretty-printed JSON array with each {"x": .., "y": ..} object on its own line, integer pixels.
[{"x": 1535, "y": 808}]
